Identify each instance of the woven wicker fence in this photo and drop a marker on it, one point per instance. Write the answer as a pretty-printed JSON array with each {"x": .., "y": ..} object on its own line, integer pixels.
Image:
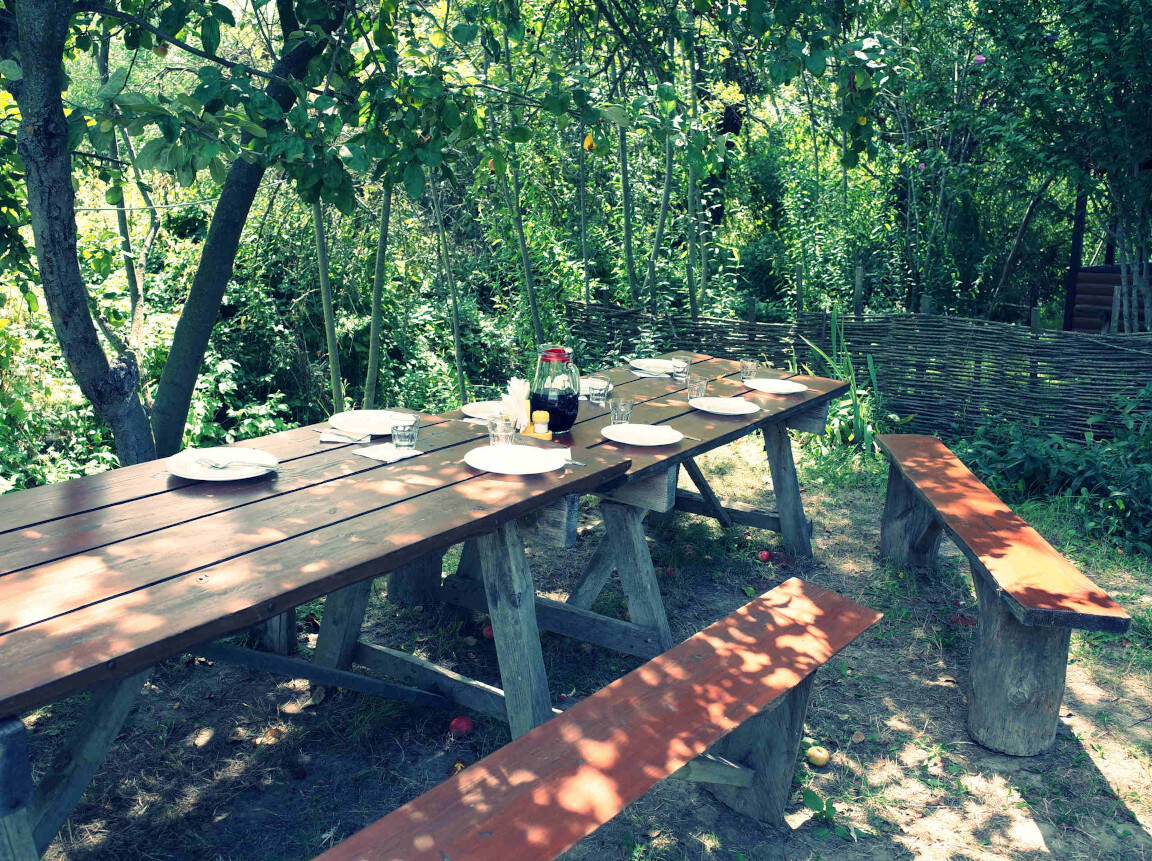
[{"x": 950, "y": 373}]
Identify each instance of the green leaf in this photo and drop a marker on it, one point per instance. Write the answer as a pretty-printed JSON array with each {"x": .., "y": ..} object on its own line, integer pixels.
[
  {"x": 414, "y": 180},
  {"x": 465, "y": 33},
  {"x": 114, "y": 195},
  {"x": 518, "y": 134},
  {"x": 11, "y": 70},
  {"x": 437, "y": 38},
  {"x": 115, "y": 83},
  {"x": 813, "y": 801},
  {"x": 146, "y": 158},
  {"x": 210, "y": 34},
  {"x": 816, "y": 62},
  {"x": 616, "y": 114}
]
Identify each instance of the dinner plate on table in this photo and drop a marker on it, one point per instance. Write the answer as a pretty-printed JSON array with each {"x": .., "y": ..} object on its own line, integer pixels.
[
  {"x": 482, "y": 409},
  {"x": 775, "y": 387},
  {"x": 516, "y": 459},
  {"x": 724, "y": 406},
  {"x": 640, "y": 434},
  {"x": 653, "y": 367},
  {"x": 222, "y": 463},
  {"x": 373, "y": 422}
]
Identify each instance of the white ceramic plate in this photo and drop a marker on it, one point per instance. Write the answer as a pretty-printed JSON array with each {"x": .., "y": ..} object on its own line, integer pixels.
[
  {"x": 638, "y": 434},
  {"x": 655, "y": 367},
  {"x": 481, "y": 409},
  {"x": 724, "y": 406},
  {"x": 516, "y": 459},
  {"x": 374, "y": 422},
  {"x": 775, "y": 387},
  {"x": 584, "y": 386},
  {"x": 235, "y": 463}
]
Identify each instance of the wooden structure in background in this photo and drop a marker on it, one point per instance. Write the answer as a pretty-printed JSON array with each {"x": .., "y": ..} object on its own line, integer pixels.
[
  {"x": 1030, "y": 596},
  {"x": 951, "y": 374}
]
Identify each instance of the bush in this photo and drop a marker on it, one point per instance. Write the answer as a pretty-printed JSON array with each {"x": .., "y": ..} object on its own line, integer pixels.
[{"x": 1106, "y": 478}]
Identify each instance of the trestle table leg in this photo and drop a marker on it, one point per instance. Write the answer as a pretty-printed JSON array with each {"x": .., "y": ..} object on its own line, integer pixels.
[{"x": 793, "y": 523}]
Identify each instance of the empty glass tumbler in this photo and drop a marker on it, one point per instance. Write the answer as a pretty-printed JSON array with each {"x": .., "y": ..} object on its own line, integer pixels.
[
  {"x": 621, "y": 410},
  {"x": 404, "y": 435}
]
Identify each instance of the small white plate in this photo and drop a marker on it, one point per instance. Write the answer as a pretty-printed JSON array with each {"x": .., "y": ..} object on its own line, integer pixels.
[
  {"x": 724, "y": 406},
  {"x": 655, "y": 367},
  {"x": 638, "y": 434},
  {"x": 235, "y": 463},
  {"x": 775, "y": 387},
  {"x": 374, "y": 422},
  {"x": 584, "y": 387},
  {"x": 482, "y": 409},
  {"x": 516, "y": 459}
]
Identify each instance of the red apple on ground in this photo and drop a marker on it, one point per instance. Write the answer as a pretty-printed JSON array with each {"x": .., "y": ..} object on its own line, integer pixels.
[{"x": 461, "y": 725}]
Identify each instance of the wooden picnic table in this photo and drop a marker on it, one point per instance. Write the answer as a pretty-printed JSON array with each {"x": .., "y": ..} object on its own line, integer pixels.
[
  {"x": 650, "y": 485},
  {"x": 103, "y": 576}
]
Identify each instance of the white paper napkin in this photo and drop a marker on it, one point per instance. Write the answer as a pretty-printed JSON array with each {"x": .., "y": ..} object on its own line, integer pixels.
[
  {"x": 342, "y": 436},
  {"x": 387, "y": 452}
]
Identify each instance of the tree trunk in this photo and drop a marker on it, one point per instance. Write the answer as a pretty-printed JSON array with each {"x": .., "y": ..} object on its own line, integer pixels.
[
  {"x": 649, "y": 291},
  {"x": 329, "y": 312},
  {"x": 1075, "y": 255},
  {"x": 626, "y": 204},
  {"x": 446, "y": 270},
  {"x": 582, "y": 182},
  {"x": 190, "y": 341},
  {"x": 111, "y": 385},
  {"x": 377, "y": 291}
]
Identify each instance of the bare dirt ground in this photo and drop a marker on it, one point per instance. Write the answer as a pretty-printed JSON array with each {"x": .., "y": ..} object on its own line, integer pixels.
[{"x": 221, "y": 763}]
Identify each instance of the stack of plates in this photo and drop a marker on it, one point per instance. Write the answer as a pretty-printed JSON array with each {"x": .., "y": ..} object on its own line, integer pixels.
[
  {"x": 374, "y": 422},
  {"x": 775, "y": 387}
]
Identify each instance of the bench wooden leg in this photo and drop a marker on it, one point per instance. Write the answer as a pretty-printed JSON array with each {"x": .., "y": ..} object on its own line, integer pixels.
[
  {"x": 1017, "y": 678},
  {"x": 909, "y": 529},
  {"x": 82, "y": 755},
  {"x": 768, "y": 744},
  {"x": 625, "y": 523},
  {"x": 793, "y": 524},
  {"x": 278, "y": 634},
  {"x": 512, "y": 607},
  {"x": 16, "y": 841},
  {"x": 417, "y": 582}
]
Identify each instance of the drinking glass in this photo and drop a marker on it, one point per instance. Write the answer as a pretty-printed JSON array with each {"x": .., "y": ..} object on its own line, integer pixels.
[
  {"x": 404, "y": 435},
  {"x": 679, "y": 370},
  {"x": 697, "y": 387},
  {"x": 621, "y": 410},
  {"x": 501, "y": 430},
  {"x": 598, "y": 390},
  {"x": 749, "y": 368}
]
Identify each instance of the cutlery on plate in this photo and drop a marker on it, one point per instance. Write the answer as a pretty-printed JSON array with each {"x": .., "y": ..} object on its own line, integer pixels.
[{"x": 210, "y": 463}]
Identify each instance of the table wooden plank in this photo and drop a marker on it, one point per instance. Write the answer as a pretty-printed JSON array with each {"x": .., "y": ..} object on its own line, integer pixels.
[
  {"x": 40, "y": 504},
  {"x": 188, "y": 501},
  {"x": 115, "y": 636},
  {"x": 35, "y": 594}
]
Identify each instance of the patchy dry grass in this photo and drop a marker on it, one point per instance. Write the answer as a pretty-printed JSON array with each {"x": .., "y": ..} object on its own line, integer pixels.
[{"x": 230, "y": 764}]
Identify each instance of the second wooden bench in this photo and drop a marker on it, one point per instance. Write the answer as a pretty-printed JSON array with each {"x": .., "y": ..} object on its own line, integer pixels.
[
  {"x": 739, "y": 687},
  {"x": 1029, "y": 596}
]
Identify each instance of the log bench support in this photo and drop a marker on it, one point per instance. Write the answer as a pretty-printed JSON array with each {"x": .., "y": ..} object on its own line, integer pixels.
[
  {"x": 30, "y": 818},
  {"x": 1029, "y": 596}
]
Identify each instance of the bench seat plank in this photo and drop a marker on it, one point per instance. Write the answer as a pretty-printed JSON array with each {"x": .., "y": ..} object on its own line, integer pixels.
[
  {"x": 538, "y": 796},
  {"x": 1043, "y": 588}
]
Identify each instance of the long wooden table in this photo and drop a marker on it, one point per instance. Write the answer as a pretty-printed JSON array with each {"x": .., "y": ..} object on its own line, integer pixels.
[{"x": 103, "y": 576}]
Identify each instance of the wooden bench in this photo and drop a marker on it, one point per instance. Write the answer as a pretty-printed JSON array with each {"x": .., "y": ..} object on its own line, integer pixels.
[
  {"x": 1029, "y": 596},
  {"x": 739, "y": 686}
]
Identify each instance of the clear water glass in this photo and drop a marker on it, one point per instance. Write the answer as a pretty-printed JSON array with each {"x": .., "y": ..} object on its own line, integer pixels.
[
  {"x": 679, "y": 370},
  {"x": 697, "y": 387},
  {"x": 404, "y": 435},
  {"x": 501, "y": 431},
  {"x": 621, "y": 410},
  {"x": 598, "y": 390},
  {"x": 749, "y": 368}
]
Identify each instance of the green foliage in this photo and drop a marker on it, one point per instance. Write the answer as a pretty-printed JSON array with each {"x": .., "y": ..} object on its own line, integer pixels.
[{"x": 1106, "y": 480}]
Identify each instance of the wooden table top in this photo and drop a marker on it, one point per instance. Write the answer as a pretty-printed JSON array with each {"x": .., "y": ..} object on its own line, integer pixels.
[
  {"x": 107, "y": 574},
  {"x": 662, "y": 400}
]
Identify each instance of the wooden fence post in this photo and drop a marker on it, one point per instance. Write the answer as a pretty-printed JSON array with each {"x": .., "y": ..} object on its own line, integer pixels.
[
  {"x": 858, "y": 293},
  {"x": 799, "y": 290}
]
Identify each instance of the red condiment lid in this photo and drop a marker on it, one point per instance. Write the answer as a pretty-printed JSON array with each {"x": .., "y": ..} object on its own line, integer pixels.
[{"x": 553, "y": 353}]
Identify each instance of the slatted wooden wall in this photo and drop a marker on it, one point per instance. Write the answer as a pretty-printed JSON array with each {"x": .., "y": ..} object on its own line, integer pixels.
[{"x": 950, "y": 373}]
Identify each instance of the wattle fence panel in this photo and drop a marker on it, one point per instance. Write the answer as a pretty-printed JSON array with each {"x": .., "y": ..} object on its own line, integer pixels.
[{"x": 950, "y": 374}]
